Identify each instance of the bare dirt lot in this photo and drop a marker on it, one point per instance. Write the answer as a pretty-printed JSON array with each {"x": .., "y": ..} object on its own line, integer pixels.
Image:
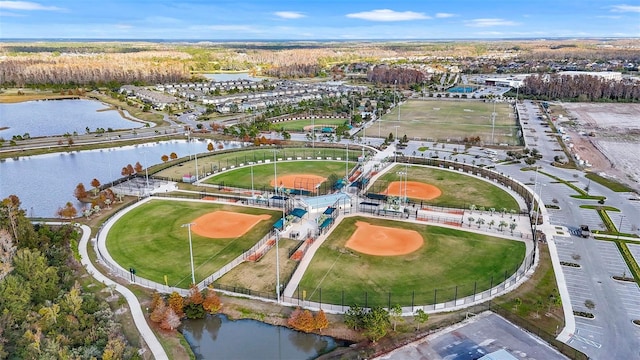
[{"x": 614, "y": 144}]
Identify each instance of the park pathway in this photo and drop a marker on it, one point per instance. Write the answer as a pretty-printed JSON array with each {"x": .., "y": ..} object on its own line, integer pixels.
[{"x": 136, "y": 310}]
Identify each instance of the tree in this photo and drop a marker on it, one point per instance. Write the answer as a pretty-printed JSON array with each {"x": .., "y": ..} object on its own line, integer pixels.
[
  {"x": 41, "y": 278},
  {"x": 130, "y": 169},
  {"x": 80, "y": 192},
  {"x": 517, "y": 302},
  {"x": 354, "y": 317},
  {"x": 491, "y": 223},
  {"x": 95, "y": 183},
  {"x": 480, "y": 221},
  {"x": 512, "y": 227},
  {"x": 376, "y": 323},
  {"x": 171, "y": 320},
  {"x": 210, "y": 147},
  {"x": 471, "y": 219},
  {"x": 502, "y": 225},
  {"x": 68, "y": 211},
  {"x": 321, "y": 321},
  {"x": 396, "y": 315},
  {"x": 472, "y": 207},
  {"x": 164, "y": 158},
  {"x": 159, "y": 311},
  {"x": 211, "y": 302},
  {"x": 195, "y": 296},
  {"x": 173, "y": 156},
  {"x": 138, "y": 167},
  {"x": 176, "y": 303},
  {"x": 420, "y": 317}
]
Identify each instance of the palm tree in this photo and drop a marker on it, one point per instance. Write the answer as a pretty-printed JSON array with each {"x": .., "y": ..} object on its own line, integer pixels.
[
  {"x": 471, "y": 219},
  {"x": 472, "y": 207},
  {"x": 491, "y": 223},
  {"x": 502, "y": 225},
  {"x": 480, "y": 221},
  {"x": 513, "y": 226}
]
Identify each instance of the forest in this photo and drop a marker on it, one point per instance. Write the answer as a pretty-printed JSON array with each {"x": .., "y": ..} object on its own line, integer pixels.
[
  {"x": 579, "y": 88},
  {"x": 46, "y": 311}
]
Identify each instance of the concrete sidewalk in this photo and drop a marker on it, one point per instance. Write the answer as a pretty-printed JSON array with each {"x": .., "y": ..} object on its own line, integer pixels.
[{"x": 136, "y": 311}]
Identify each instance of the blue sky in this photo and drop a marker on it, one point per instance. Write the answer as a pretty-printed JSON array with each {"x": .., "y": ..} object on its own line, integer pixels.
[{"x": 311, "y": 19}]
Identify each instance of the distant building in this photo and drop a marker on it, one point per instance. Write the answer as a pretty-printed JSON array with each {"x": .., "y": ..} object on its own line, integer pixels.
[{"x": 607, "y": 75}]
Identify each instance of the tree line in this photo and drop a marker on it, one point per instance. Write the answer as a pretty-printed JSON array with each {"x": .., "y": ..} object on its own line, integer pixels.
[
  {"x": 580, "y": 88},
  {"x": 383, "y": 74},
  {"x": 44, "y": 311}
]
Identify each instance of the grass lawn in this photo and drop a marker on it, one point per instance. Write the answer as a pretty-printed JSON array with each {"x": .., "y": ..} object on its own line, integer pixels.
[
  {"x": 150, "y": 239},
  {"x": 298, "y": 125},
  {"x": 458, "y": 190},
  {"x": 448, "y": 258},
  {"x": 439, "y": 120},
  {"x": 263, "y": 174},
  {"x": 209, "y": 162},
  {"x": 611, "y": 184},
  {"x": 260, "y": 276}
]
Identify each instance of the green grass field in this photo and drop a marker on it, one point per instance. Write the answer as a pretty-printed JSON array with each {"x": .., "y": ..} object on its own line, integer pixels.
[
  {"x": 449, "y": 258},
  {"x": 298, "y": 125},
  {"x": 263, "y": 174},
  {"x": 209, "y": 162},
  {"x": 458, "y": 190},
  {"x": 439, "y": 120},
  {"x": 150, "y": 239}
]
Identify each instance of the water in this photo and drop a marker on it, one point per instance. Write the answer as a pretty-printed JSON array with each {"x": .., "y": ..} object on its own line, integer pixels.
[
  {"x": 47, "y": 118},
  {"x": 231, "y": 76},
  {"x": 462, "y": 89},
  {"x": 46, "y": 182},
  {"x": 217, "y": 337}
]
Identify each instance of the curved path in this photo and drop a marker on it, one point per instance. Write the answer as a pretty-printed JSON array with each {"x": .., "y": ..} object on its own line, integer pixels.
[{"x": 136, "y": 311}]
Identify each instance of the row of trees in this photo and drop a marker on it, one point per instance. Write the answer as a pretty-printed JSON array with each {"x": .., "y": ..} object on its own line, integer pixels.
[
  {"x": 167, "y": 313},
  {"x": 383, "y": 74},
  {"x": 294, "y": 71},
  {"x": 579, "y": 87},
  {"x": 44, "y": 312},
  {"x": 303, "y": 320},
  {"x": 376, "y": 322}
]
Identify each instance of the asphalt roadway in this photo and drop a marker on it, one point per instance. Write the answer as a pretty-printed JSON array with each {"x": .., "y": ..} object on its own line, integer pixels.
[{"x": 474, "y": 338}]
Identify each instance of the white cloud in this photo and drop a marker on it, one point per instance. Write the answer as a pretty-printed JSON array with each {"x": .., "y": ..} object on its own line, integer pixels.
[
  {"x": 26, "y": 5},
  {"x": 289, "y": 14},
  {"x": 444, "y": 15},
  {"x": 123, "y": 26},
  {"x": 609, "y": 17},
  {"x": 388, "y": 15},
  {"x": 7, "y": 14},
  {"x": 490, "y": 22},
  {"x": 625, "y": 8}
]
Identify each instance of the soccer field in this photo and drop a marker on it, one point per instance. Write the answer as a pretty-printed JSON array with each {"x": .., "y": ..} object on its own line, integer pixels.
[
  {"x": 442, "y": 120},
  {"x": 299, "y": 125}
]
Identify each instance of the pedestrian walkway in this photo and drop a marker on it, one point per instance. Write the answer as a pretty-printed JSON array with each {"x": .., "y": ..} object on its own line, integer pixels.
[{"x": 134, "y": 305}]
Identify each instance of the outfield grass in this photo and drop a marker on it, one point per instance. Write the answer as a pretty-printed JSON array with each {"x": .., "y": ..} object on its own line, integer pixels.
[
  {"x": 298, "y": 125},
  {"x": 458, "y": 190},
  {"x": 209, "y": 162},
  {"x": 150, "y": 239},
  {"x": 449, "y": 258},
  {"x": 439, "y": 120},
  {"x": 263, "y": 174}
]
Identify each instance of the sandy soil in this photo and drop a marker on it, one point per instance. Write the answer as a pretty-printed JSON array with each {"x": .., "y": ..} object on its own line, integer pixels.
[
  {"x": 225, "y": 225},
  {"x": 383, "y": 241},
  {"x": 307, "y": 182},
  {"x": 414, "y": 190},
  {"x": 613, "y": 149}
]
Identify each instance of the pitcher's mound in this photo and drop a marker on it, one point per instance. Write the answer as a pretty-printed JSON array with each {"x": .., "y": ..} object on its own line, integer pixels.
[
  {"x": 383, "y": 241},
  {"x": 225, "y": 224},
  {"x": 415, "y": 190}
]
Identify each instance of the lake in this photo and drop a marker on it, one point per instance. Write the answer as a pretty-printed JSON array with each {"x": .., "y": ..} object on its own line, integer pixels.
[
  {"x": 46, "y": 182},
  {"x": 57, "y": 117},
  {"x": 217, "y": 337}
]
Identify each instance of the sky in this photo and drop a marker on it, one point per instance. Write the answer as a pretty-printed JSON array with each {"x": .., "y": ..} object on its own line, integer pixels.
[{"x": 318, "y": 20}]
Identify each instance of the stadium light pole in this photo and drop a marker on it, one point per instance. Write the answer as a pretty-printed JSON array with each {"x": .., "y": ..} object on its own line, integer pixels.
[
  {"x": 146, "y": 171},
  {"x": 193, "y": 276},
  {"x": 493, "y": 121},
  {"x": 620, "y": 227}
]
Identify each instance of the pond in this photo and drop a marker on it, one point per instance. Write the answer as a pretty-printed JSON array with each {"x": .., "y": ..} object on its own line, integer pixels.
[
  {"x": 220, "y": 338},
  {"x": 45, "y": 183},
  {"x": 58, "y": 117}
]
